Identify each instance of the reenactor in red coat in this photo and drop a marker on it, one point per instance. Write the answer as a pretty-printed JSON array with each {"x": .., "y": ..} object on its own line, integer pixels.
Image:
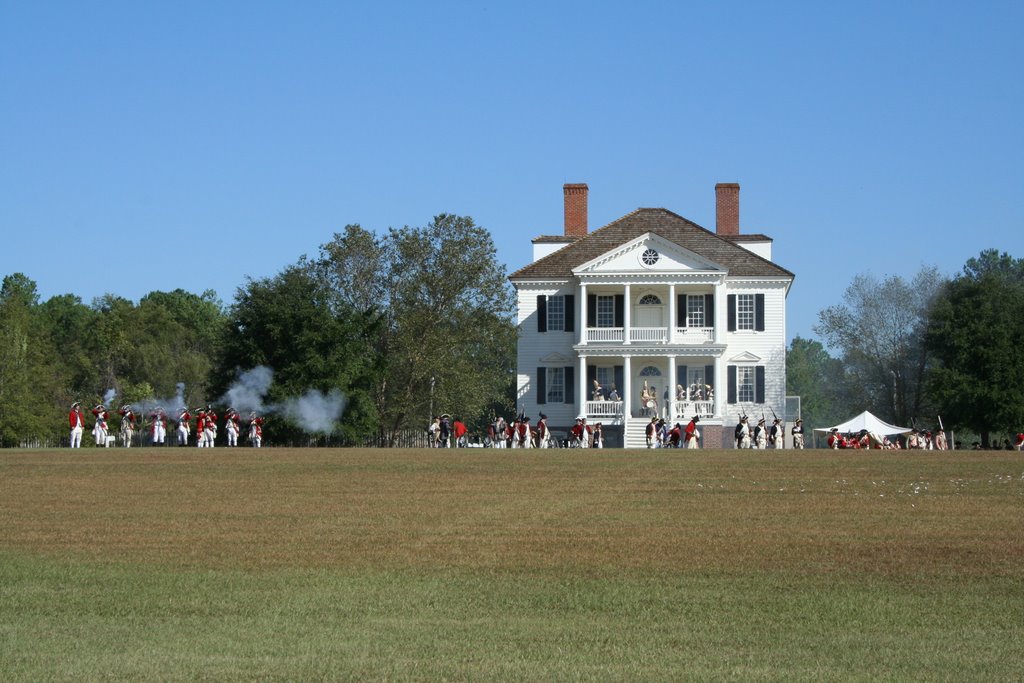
[
  {"x": 255, "y": 430},
  {"x": 99, "y": 430},
  {"x": 158, "y": 426},
  {"x": 183, "y": 426},
  {"x": 232, "y": 425},
  {"x": 76, "y": 422}
]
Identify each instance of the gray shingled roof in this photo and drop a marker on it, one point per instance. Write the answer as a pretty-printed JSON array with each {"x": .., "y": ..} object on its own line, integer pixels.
[{"x": 662, "y": 222}]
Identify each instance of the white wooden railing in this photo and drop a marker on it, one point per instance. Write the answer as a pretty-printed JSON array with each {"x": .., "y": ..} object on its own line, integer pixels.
[
  {"x": 657, "y": 335},
  {"x": 687, "y": 409},
  {"x": 651, "y": 335},
  {"x": 603, "y": 408},
  {"x": 694, "y": 335},
  {"x": 605, "y": 334}
]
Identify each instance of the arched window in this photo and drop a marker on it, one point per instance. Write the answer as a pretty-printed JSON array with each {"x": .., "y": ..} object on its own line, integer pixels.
[
  {"x": 649, "y": 300},
  {"x": 650, "y": 371}
]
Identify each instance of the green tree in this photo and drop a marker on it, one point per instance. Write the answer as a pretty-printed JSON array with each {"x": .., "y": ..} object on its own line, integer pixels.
[
  {"x": 28, "y": 392},
  {"x": 879, "y": 328},
  {"x": 975, "y": 334},
  {"x": 288, "y": 324},
  {"x": 820, "y": 382},
  {"x": 175, "y": 338},
  {"x": 447, "y": 336}
]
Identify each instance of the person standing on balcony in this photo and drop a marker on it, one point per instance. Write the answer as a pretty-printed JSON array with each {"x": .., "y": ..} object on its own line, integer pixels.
[
  {"x": 649, "y": 400},
  {"x": 613, "y": 395},
  {"x": 598, "y": 392},
  {"x": 691, "y": 434},
  {"x": 798, "y": 434}
]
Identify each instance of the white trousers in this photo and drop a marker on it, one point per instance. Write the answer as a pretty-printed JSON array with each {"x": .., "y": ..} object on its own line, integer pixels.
[{"x": 76, "y": 437}]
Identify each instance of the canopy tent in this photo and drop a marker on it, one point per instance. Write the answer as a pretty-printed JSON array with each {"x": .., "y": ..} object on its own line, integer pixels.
[{"x": 866, "y": 421}]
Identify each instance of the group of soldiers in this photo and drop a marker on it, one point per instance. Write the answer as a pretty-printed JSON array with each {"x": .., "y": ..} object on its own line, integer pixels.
[
  {"x": 763, "y": 437},
  {"x": 520, "y": 433},
  {"x": 922, "y": 440},
  {"x": 659, "y": 434},
  {"x": 156, "y": 426}
]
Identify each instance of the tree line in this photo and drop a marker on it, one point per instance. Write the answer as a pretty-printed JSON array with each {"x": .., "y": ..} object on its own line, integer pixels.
[
  {"x": 397, "y": 323},
  {"x": 914, "y": 350}
]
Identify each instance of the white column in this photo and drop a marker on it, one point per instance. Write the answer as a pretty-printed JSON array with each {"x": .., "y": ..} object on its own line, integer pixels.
[
  {"x": 581, "y": 383},
  {"x": 583, "y": 314},
  {"x": 721, "y": 312},
  {"x": 672, "y": 388},
  {"x": 627, "y": 388},
  {"x": 672, "y": 323},
  {"x": 627, "y": 309}
]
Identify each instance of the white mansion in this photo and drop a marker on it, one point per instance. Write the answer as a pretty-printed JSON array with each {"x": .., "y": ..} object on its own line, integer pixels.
[{"x": 652, "y": 300}]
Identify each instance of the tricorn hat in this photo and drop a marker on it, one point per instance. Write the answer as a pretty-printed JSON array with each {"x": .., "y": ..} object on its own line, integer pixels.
[{"x": 696, "y": 418}]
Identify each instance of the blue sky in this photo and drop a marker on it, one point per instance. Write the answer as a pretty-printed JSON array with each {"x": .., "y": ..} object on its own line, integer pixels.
[{"x": 150, "y": 146}]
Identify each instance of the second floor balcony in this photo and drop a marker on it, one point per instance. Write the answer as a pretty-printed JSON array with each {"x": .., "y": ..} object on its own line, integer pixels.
[{"x": 650, "y": 335}]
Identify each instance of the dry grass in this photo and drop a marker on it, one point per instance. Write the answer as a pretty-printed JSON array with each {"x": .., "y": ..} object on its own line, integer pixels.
[
  {"x": 486, "y": 565},
  {"x": 596, "y": 513}
]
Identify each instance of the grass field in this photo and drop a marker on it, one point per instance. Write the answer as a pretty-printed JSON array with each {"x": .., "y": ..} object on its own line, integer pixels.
[{"x": 399, "y": 565}]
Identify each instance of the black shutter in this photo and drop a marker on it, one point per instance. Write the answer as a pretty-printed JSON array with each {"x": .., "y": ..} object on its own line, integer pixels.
[
  {"x": 542, "y": 313},
  {"x": 759, "y": 388},
  {"x": 731, "y": 299},
  {"x": 709, "y": 311},
  {"x": 619, "y": 377},
  {"x": 570, "y": 312},
  {"x": 680, "y": 310},
  {"x": 570, "y": 384},
  {"x": 591, "y": 376},
  {"x": 620, "y": 310},
  {"x": 591, "y": 311},
  {"x": 759, "y": 312},
  {"x": 732, "y": 383},
  {"x": 542, "y": 386},
  {"x": 709, "y": 376},
  {"x": 681, "y": 372}
]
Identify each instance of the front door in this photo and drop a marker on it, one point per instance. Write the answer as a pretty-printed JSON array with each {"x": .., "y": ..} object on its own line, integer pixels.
[{"x": 656, "y": 384}]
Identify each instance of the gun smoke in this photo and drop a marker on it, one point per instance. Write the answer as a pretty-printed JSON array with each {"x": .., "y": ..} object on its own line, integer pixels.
[{"x": 314, "y": 411}]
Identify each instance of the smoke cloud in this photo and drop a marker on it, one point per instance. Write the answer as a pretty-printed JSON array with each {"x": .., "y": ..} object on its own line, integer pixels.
[
  {"x": 109, "y": 397},
  {"x": 314, "y": 411},
  {"x": 246, "y": 394}
]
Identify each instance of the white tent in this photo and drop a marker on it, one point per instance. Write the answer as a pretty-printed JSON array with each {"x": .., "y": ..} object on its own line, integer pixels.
[{"x": 866, "y": 421}]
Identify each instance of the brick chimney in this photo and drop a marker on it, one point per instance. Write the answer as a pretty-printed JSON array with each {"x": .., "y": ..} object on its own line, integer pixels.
[
  {"x": 575, "y": 209},
  {"x": 727, "y": 208}
]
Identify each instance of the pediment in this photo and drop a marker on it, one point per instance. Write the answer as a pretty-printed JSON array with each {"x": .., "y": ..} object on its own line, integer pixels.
[
  {"x": 745, "y": 357},
  {"x": 649, "y": 253},
  {"x": 554, "y": 358}
]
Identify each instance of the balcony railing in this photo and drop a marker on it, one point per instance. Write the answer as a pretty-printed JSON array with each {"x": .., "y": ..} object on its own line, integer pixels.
[
  {"x": 657, "y": 335},
  {"x": 687, "y": 409},
  {"x": 695, "y": 335},
  {"x": 651, "y": 335},
  {"x": 603, "y": 409},
  {"x": 605, "y": 334}
]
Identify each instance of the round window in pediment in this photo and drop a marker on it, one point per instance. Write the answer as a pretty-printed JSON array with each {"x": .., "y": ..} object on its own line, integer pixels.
[{"x": 649, "y": 257}]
